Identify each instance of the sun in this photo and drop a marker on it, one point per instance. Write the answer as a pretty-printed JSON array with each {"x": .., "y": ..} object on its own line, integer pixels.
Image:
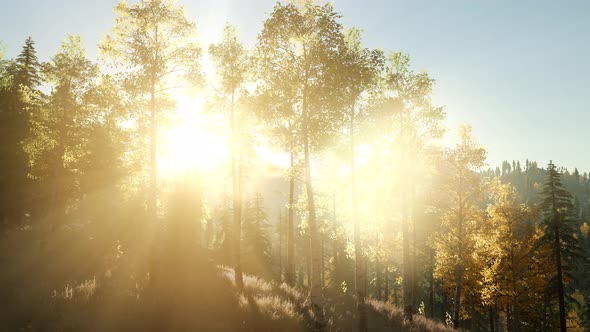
[{"x": 194, "y": 141}]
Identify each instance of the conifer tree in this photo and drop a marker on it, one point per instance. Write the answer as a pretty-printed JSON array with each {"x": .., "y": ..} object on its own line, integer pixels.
[
  {"x": 558, "y": 220},
  {"x": 257, "y": 244},
  {"x": 28, "y": 66}
]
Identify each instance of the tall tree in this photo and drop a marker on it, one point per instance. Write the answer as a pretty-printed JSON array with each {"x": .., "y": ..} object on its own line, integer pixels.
[
  {"x": 19, "y": 96},
  {"x": 299, "y": 51},
  {"x": 558, "y": 221},
  {"x": 509, "y": 278},
  {"x": 257, "y": 244},
  {"x": 360, "y": 73},
  {"x": 28, "y": 66},
  {"x": 461, "y": 219},
  {"x": 58, "y": 133},
  {"x": 414, "y": 122},
  {"x": 155, "y": 45},
  {"x": 232, "y": 62}
]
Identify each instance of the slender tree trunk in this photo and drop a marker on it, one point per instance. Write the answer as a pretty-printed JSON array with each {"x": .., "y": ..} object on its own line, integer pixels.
[
  {"x": 459, "y": 266},
  {"x": 515, "y": 318},
  {"x": 431, "y": 286},
  {"x": 360, "y": 272},
  {"x": 557, "y": 248},
  {"x": 290, "y": 222},
  {"x": 317, "y": 299},
  {"x": 407, "y": 269},
  {"x": 386, "y": 288},
  {"x": 152, "y": 204},
  {"x": 378, "y": 283},
  {"x": 508, "y": 317},
  {"x": 560, "y": 291},
  {"x": 237, "y": 203},
  {"x": 280, "y": 279},
  {"x": 413, "y": 249},
  {"x": 323, "y": 264}
]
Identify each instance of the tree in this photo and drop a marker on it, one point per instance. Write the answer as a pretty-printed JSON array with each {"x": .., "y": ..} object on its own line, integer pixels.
[
  {"x": 18, "y": 98},
  {"x": 299, "y": 55},
  {"x": 58, "y": 135},
  {"x": 28, "y": 66},
  {"x": 360, "y": 73},
  {"x": 509, "y": 275},
  {"x": 155, "y": 45},
  {"x": 257, "y": 245},
  {"x": 232, "y": 61},
  {"x": 461, "y": 218},
  {"x": 411, "y": 118},
  {"x": 557, "y": 223}
]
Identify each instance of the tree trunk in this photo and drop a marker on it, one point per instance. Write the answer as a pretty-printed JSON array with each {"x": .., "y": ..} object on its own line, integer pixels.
[
  {"x": 360, "y": 272},
  {"x": 317, "y": 299},
  {"x": 386, "y": 287},
  {"x": 237, "y": 202},
  {"x": 515, "y": 315},
  {"x": 280, "y": 276},
  {"x": 290, "y": 275},
  {"x": 152, "y": 204},
  {"x": 459, "y": 267},
  {"x": 407, "y": 269},
  {"x": 560, "y": 291}
]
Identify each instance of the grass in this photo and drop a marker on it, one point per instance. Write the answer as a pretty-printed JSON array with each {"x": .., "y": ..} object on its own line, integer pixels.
[{"x": 156, "y": 288}]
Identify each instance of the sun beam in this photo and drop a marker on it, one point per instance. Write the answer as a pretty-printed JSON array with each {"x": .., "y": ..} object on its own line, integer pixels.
[{"x": 195, "y": 141}]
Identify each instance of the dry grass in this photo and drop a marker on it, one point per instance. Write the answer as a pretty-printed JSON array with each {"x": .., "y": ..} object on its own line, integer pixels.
[
  {"x": 271, "y": 306},
  {"x": 394, "y": 317}
]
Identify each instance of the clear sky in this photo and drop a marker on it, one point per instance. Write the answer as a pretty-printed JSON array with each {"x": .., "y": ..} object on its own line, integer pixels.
[{"x": 517, "y": 71}]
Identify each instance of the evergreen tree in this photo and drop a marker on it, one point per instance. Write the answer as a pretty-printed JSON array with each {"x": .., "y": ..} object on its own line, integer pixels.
[
  {"x": 257, "y": 244},
  {"x": 27, "y": 66},
  {"x": 58, "y": 130},
  {"x": 558, "y": 224}
]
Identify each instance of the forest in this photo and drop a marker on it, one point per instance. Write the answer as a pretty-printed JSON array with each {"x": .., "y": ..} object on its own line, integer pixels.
[{"x": 301, "y": 183}]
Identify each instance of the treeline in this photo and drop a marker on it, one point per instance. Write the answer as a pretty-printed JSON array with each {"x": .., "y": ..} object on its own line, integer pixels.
[{"x": 375, "y": 206}]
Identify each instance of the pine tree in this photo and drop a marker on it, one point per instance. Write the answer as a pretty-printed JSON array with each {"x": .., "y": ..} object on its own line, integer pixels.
[
  {"x": 559, "y": 230},
  {"x": 257, "y": 244},
  {"x": 28, "y": 66}
]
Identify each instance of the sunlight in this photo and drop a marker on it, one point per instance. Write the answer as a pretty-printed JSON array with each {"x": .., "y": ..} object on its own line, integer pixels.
[{"x": 194, "y": 141}]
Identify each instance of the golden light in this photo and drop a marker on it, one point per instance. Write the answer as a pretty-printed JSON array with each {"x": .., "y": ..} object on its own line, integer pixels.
[{"x": 194, "y": 141}]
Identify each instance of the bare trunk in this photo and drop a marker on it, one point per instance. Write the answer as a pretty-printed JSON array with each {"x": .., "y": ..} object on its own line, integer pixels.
[
  {"x": 317, "y": 299},
  {"x": 360, "y": 272},
  {"x": 386, "y": 287},
  {"x": 560, "y": 291},
  {"x": 459, "y": 266},
  {"x": 290, "y": 275},
  {"x": 152, "y": 203},
  {"x": 280, "y": 277},
  {"x": 557, "y": 248},
  {"x": 515, "y": 309},
  {"x": 237, "y": 202}
]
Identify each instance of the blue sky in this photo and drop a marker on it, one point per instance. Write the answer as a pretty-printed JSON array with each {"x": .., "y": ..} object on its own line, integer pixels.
[{"x": 517, "y": 71}]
